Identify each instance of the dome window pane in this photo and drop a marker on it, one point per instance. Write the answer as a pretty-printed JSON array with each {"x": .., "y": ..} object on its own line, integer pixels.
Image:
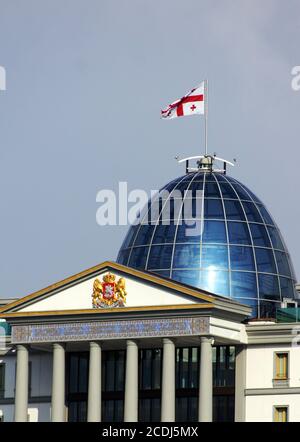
[
  {"x": 265, "y": 260},
  {"x": 138, "y": 257},
  {"x": 252, "y": 212},
  {"x": 144, "y": 235},
  {"x": 160, "y": 257},
  {"x": 287, "y": 288},
  {"x": 214, "y": 257},
  {"x": 241, "y": 192},
  {"x": 238, "y": 233},
  {"x": 211, "y": 190},
  {"x": 241, "y": 258},
  {"x": 243, "y": 284},
  {"x": 275, "y": 238},
  {"x": 282, "y": 263},
  {"x": 268, "y": 287},
  {"x": 234, "y": 210},
  {"x": 228, "y": 191},
  {"x": 164, "y": 234},
  {"x": 215, "y": 281},
  {"x": 260, "y": 235},
  {"x": 214, "y": 232},
  {"x": 213, "y": 209},
  {"x": 187, "y": 256},
  {"x": 189, "y": 232}
]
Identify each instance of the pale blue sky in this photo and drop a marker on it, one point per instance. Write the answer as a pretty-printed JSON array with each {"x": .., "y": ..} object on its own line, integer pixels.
[{"x": 85, "y": 83}]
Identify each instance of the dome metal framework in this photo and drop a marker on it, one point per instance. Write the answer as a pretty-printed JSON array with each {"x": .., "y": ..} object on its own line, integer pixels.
[{"x": 233, "y": 249}]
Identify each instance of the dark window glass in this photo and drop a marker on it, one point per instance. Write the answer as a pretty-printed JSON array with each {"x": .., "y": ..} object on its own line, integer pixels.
[
  {"x": 213, "y": 209},
  {"x": 187, "y": 256},
  {"x": 241, "y": 258},
  {"x": 195, "y": 189},
  {"x": 268, "y": 309},
  {"x": 215, "y": 281},
  {"x": 252, "y": 212},
  {"x": 268, "y": 287},
  {"x": 112, "y": 410},
  {"x": 228, "y": 191},
  {"x": 138, "y": 257},
  {"x": 113, "y": 370},
  {"x": 192, "y": 208},
  {"x": 282, "y": 263},
  {"x": 189, "y": 232},
  {"x": 123, "y": 256},
  {"x": 275, "y": 238},
  {"x": 220, "y": 177},
  {"x": 265, "y": 214},
  {"x": 214, "y": 257},
  {"x": 160, "y": 257},
  {"x": 287, "y": 288},
  {"x": 223, "y": 408},
  {"x": 234, "y": 210},
  {"x": 187, "y": 277},
  {"x": 265, "y": 260},
  {"x": 243, "y": 284},
  {"x": 214, "y": 231},
  {"x": 260, "y": 235},
  {"x": 130, "y": 236},
  {"x": 224, "y": 366},
  {"x": 211, "y": 190},
  {"x": 77, "y": 411},
  {"x": 144, "y": 235},
  {"x": 78, "y": 372},
  {"x": 241, "y": 192},
  {"x": 164, "y": 234},
  {"x": 238, "y": 233}
]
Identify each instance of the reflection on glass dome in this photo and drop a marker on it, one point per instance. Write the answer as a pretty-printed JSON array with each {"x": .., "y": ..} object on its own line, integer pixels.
[{"x": 222, "y": 239}]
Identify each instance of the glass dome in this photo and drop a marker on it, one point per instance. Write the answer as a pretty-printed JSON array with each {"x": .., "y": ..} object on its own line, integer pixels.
[{"x": 208, "y": 230}]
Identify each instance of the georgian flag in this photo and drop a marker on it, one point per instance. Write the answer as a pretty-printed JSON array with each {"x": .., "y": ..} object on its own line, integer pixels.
[{"x": 192, "y": 103}]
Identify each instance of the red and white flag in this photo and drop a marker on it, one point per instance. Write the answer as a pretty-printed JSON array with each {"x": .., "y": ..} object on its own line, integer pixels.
[{"x": 191, "y": 104}]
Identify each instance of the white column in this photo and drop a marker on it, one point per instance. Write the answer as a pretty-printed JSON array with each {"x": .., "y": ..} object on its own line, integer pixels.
[
  {"x": 94, "y": 391},
  {"x": 58, "y": 384},
  {"x": 168, "y": 382},
  {"x": 206, "y": 381},
  {"x": 131, "y": 382},
  {"x": 21, "y": 395}
]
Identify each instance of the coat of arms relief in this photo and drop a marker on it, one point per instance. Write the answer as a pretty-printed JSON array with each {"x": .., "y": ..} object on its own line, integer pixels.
[{"x": 109, "y": 292}]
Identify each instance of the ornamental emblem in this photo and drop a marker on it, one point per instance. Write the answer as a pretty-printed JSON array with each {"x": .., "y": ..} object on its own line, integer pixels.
[{"x": 109, "y": 292}]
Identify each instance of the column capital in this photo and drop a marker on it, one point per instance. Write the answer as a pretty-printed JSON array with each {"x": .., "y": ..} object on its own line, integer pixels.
[
  {"x": 95, "y": 344},
  {"x": 59, "y": 345},
  {"x": 169, "y": 341},
  {"x": 207, "y": 339},
  {"x": 132, "y": 342}
]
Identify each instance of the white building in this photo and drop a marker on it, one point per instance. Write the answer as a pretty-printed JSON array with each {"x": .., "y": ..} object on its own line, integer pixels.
[{"x": 162, "y": 351}]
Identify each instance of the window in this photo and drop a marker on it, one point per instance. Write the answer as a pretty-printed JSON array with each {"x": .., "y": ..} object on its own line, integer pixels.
[
  {"x": 281, "y": 414},
  {"x": 281, "y": 366},
  {"x": 2, "y": 380}
]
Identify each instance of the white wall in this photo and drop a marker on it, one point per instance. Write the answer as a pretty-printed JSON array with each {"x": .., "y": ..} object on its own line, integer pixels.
[
  {"x": 260, "y": 408},
  {"x": 259, "y": 375}
]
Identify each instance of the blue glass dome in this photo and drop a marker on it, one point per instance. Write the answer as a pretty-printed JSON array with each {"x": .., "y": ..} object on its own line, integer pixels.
[{"x": 208, "y": 230}]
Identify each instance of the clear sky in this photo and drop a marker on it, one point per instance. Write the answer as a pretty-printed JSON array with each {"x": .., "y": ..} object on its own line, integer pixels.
[{"x": 86, "y": 80}]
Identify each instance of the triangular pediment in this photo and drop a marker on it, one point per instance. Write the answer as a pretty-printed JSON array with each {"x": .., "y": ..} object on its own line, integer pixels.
[{"x": 75, "y": 294}]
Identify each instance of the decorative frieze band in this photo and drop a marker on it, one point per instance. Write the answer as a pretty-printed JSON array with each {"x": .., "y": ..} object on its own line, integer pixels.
[{"x": 103, "y": 330}]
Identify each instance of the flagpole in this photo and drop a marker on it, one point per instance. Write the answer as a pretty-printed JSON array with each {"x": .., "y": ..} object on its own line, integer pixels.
[{"x": 206, "y": 112}]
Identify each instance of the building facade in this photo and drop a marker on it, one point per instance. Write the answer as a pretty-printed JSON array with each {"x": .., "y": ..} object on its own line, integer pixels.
[{"x": 119, "y": 344}]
